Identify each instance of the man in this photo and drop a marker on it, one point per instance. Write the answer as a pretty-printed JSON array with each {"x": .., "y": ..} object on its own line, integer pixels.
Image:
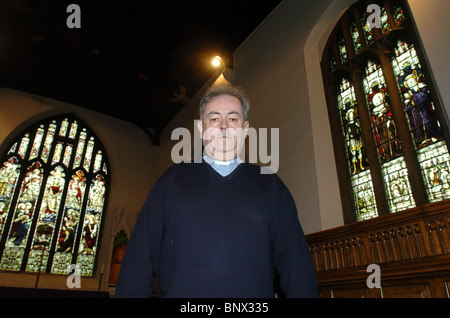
[{"x": 219, "y": 228}]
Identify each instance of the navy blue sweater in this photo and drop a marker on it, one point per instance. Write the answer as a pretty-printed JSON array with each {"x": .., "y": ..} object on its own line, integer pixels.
[{"x": 206, "y": 235}]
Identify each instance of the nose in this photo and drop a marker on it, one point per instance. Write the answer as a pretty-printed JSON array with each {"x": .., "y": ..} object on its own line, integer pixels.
[{"x": 223, "y": 125}]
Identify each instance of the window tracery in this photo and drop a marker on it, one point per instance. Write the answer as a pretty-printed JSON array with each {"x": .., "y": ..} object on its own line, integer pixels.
[
  {"x": 53, "y": 185},
  {"x": 396, "y": 151}
]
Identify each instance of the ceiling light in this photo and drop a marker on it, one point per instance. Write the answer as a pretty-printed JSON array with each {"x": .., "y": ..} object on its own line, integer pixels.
[{"x": 217, "y": 61}]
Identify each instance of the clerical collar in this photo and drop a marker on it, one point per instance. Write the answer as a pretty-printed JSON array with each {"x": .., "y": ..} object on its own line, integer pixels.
[
  {"x": 224, "y": 168},
  {"x": 222, "y": 163}
]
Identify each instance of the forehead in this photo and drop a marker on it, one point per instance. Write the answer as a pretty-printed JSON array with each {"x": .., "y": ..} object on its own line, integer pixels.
[{"x": 224, "y": 104}]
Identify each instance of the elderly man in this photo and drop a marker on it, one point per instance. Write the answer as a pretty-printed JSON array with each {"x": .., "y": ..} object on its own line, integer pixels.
[{"x": 218, "y": 228}]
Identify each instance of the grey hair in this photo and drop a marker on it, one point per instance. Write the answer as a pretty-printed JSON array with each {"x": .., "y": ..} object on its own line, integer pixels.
[{"x": 220, "y": 90}]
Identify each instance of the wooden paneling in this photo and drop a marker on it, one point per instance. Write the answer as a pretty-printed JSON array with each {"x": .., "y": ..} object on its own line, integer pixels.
[{"x": 411, "y": 247}]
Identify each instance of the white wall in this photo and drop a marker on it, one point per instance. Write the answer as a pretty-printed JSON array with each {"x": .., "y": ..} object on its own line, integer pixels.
[
  {"x": 270, "y": 65},
  {"x": 131, "y": 159}
]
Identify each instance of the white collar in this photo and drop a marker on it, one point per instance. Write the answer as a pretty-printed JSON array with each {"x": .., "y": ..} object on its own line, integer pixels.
[{"x": 222, "y": 163}]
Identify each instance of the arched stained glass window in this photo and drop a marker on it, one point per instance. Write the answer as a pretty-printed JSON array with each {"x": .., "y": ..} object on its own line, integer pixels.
[
  {"x": 53, "y": 185},
  {"x": 380, "y": 90}
]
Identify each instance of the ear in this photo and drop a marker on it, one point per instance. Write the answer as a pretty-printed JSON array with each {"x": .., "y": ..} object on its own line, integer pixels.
[
  {"x": 200, "y": 128},
  {"x": 246, "y": 127}
]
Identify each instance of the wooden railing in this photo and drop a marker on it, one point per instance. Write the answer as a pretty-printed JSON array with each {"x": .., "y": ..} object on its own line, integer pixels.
[{"x": 410, "y": 248}]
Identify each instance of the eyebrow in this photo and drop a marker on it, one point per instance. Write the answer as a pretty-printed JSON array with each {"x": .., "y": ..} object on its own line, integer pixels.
[{"x": 214, "y": 112}]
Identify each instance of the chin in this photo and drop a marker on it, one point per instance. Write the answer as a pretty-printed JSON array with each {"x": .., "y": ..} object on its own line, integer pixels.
[{"x": 225, "y": 156}]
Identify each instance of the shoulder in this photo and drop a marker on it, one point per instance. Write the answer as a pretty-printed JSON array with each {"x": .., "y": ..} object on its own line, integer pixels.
[
  {"x": 182, "y": 169},
  {"x": 262, "y": 175},
  {"x": 262, "y": 171}
]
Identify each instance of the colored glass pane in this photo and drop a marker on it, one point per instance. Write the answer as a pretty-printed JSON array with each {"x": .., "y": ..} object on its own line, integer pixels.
[
  {"x": 88, "y": 154},
  {"x": 398, "y": 188},
  {"x": 12, "y": 149},
  {"x": 67, "y": 154},
  {"x": 342, "y": 51},
  {"x": 80, "y": 149},
  {"x": 423, "y": 123},
  {"x": 332, "y": 63},
  {"x": 385, "y": 25},
  {"x": 23, "y": 215},
  {"x": 383, "y": 125},
  {"x": 48, "y": 141},
  {"x": 351, "y": 127},
  {"x": 91, "y": 225},
  {"x": 9, "y": 174},
  {"x": 57, "y": 153},
  {"x": 389, "y": 148},
  {"x": 24, "y": 145},
  {"x": 70, "y": 223},
  {"x": 368, "y": 31},
  {"x": 64, "y": 127},
  {"x": 419, "y": 108},
  {"x": 356, "y": 38},
  {"x": 364, "y": 198},
  {"x": 37, "y": 142},
  {"x": 399, "y": 15},
  {"x": 97, "y": 161},
  {"x": 434, "y": 162},
  {"x": 48, "y": 212},
  {"x": 73, "y": 130}
]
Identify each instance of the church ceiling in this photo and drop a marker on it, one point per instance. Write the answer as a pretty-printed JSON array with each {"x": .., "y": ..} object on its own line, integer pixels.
[{"x": 126, "y": 59}]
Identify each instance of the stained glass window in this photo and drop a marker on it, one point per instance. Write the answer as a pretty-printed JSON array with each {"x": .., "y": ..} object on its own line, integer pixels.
[
  {"x": 52, "y": 198},
  {"x": 388, "y": 112}
]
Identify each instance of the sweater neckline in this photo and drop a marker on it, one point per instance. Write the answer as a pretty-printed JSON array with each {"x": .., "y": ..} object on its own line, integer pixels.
[{"x": 218, "y": 175}]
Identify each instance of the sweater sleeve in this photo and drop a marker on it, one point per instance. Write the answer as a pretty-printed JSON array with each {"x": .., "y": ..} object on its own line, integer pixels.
[
  {"x": 141, "y": 257},
  {"x": 292, "y": 257}
]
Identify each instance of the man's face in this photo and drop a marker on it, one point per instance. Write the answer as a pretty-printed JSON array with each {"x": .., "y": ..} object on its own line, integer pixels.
[{"x": 223, "y": 128}]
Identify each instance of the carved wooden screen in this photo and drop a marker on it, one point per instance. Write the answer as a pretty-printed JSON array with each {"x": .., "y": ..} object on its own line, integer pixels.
[
  {"x": 384, "y": 110},
  {"x": 53, "y": 182}
]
